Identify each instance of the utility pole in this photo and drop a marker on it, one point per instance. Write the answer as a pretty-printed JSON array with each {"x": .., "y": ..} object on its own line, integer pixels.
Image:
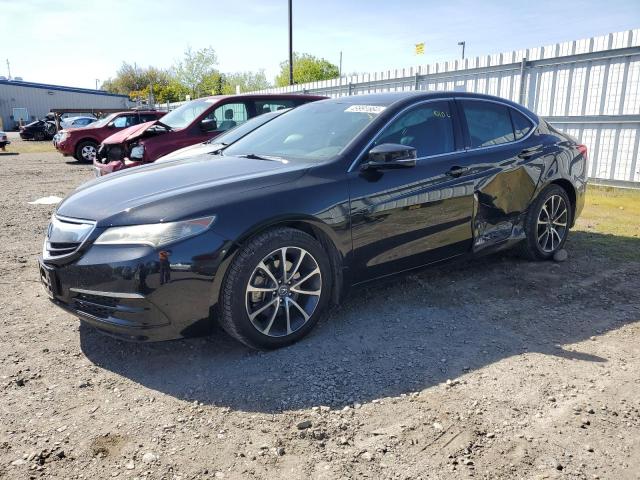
[
  {"x": 9, "y": 69},
  {"x": 97, "y": 80},
  {"x": 290, "y": 46},
  {"x": 463, "y": 43},
  {"x": 340, "y": 63}
]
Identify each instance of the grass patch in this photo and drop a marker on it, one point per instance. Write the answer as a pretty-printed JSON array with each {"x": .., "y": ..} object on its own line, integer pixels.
[
  {"x": 29, "y": 146},
  {"x": 610, "y": 223}
]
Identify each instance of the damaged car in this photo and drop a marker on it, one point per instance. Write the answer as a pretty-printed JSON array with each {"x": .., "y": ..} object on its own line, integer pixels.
[
  {"x": 191, "y": 123},
  {"x": 332, "y": 194}
]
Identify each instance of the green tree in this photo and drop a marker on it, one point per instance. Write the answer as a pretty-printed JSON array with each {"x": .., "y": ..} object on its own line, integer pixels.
[
  {"x": 306, "y": 68},
  {"x": 129, "y": 78},
  {"x": 196, "y": 69},
  {"x": 173, "y": 92},
  {"x": 247, "y": 81}
]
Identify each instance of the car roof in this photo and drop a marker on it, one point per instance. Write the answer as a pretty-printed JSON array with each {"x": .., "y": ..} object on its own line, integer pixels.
[{"x": 400, "y": 98}]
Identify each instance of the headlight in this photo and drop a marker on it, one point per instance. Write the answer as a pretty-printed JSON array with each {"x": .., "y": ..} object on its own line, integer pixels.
[
  {"x": 63, "y": 136},
  {"x": 154, "y": 234},
  {"x": 137, "y": 152}
]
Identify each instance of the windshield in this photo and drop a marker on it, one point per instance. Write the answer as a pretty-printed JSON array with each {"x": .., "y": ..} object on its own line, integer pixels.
[
  {"x": 104, "y": 121},
  {"x": 313, "y": 132},
  {"x": 185, "y": 114},
  {"x": 240, "y": 131}
]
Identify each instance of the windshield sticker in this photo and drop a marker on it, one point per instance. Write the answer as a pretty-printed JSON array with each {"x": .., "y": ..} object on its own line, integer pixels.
[{"x": 375, "y": 109}]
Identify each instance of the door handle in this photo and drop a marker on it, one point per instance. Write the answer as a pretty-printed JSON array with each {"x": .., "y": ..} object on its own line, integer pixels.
[
  {"x": 456, "y": 171},
  {"x": 530, "y": 152}
]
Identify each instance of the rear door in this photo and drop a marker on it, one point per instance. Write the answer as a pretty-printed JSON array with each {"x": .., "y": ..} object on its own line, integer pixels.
[
  {"x": 404, "y": 218},
  {"x": 501, "y": 146}
]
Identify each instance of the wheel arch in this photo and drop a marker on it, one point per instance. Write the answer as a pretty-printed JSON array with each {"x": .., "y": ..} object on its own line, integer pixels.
[
  {"x": 310, "y": 225},
  {"x": 568, "y": 187}
]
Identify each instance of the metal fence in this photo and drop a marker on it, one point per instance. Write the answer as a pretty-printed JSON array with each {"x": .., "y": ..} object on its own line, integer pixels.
[{"x": 589, "y": 88}]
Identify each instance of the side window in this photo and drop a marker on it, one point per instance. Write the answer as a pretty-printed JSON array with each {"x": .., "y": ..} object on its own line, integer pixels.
[
  {"x": 125, "y": 121},
  {"x": 266, "y": 106},
  {"x": 488, "y": 123},
  {"x": 229, "y": 115},
  {"x": 521, "y": 124},
  {"x": 428, "y": 128},
  {"x": 148, "y": 117}
]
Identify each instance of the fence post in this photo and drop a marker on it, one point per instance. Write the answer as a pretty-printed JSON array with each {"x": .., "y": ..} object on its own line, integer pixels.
[
  {"x": 523, "y": 68},
  {"x": 350, "y": 88}
]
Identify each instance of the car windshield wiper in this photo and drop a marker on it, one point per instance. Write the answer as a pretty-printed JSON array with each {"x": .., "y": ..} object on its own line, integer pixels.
[{"x": 253, "y": 156}]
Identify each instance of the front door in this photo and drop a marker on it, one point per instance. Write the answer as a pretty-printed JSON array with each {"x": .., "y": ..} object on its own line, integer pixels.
[{"x": 404, "y": 218}]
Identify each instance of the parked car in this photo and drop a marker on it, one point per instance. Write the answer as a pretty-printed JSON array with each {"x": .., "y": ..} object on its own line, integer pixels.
[
  {"x": 77, "y": 122},
  {"x": 82, "y": 143},
  {"x": 4, "y": 140},
  {"x": 39, "y": 130},
  {"x": 217, "y": 144},
  {"x": 332, "y": 194},
  {"x": 189, "y": 124}
]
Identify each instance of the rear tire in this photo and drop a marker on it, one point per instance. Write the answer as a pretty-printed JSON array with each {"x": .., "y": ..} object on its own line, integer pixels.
[
  {"x": 547, "y": 224},
  {"x": 86, "y": 151},
  {"x": 265, "y": 306}
]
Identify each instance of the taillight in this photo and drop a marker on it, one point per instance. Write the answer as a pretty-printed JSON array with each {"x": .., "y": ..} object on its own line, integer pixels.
[{"x": 583, "y": 150}]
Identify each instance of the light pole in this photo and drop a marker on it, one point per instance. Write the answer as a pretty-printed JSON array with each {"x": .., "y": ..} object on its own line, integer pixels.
[
  {"x": 463, "y": 43},
  {"x": 97, "y": 80},
  {"x": 290, "y": 46}
]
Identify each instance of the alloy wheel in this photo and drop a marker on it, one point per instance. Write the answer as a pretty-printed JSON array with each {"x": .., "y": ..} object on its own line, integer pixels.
[
  {"x": 88, "y": 152},
  {"x": 552, "y": 223},
  {"x": 283, "y": 291}
]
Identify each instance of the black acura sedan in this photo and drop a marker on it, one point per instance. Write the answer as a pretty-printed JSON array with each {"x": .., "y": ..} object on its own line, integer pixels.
[{"x": 329, "y": 195}]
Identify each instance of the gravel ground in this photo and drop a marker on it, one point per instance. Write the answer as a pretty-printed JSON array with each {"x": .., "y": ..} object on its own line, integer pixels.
[{"x": 495, "y": 368}]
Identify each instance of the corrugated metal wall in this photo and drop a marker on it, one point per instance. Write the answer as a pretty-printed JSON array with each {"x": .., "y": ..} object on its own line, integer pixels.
[
  {"x": 39, "y": 101},
  {"x": 589, "y": 88}
]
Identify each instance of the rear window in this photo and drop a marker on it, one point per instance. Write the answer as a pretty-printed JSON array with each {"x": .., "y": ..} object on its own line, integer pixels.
[{"x": 488, "y": 123}]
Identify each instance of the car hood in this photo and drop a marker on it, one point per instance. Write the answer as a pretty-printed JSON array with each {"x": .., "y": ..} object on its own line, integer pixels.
[
  {"x": 191, "y": 151},
  {"x": 174, "y": 190},
  {"x": 129, "y": 133}
]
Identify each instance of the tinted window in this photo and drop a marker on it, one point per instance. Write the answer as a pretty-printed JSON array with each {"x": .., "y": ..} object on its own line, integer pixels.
[
  {"x": 488, "y": 123},
  {"x": 521, "y": 124},
  {"x": 148, "y": 117},
  {"x": 428, "y": 128},
  {"x": 266, "y": 106},
  {"x": 229, "y": 115}
]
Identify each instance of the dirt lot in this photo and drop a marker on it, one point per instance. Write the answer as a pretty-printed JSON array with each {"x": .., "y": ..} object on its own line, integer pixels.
[{"x": 496, "y": 368}]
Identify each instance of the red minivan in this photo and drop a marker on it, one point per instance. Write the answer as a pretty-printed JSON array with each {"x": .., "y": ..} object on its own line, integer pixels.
[
  {"x": 193, "y": 122},
  {"x": 82, "y": 143}
]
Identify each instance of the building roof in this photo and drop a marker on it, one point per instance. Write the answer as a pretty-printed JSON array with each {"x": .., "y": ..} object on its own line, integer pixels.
[{"x": 45, "y": 86}]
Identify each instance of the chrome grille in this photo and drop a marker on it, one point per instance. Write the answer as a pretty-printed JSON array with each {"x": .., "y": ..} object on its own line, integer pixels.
[{"x": 65, "y": 236}]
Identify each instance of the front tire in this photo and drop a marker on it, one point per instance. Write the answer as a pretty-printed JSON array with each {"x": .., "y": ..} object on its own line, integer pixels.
[
  {"x": 276, "y": 289},
  {"x": 547, "y": 224},
  {"x": 86, "y": 151}
]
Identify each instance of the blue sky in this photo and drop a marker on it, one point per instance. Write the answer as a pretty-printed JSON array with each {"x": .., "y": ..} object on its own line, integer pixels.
[{"x": 73, "y": 42}]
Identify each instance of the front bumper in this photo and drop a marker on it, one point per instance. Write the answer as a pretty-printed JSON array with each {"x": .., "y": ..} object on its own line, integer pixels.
[
  {"x": 137, "y": 292},
  {"x": 102, "y": 169},
  {"x": 65, "y": 147}
]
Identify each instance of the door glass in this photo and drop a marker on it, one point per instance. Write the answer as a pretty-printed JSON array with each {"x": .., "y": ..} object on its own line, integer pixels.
[
  {"x": 148, "y": 117},
  {"x": 125, "y": 121},
  {"x": 428, "y": 128},
  {"x": 521, "y": 124},
  {"x": 488, "y": 123},
  {"x": 266, "y": 106},
  {"x": 229, "y": 115}
]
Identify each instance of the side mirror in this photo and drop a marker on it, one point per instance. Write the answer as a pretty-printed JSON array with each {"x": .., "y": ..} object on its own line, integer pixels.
[
  {"x": 390, "y": 155},
  {"x": 208, "y": 125}
]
